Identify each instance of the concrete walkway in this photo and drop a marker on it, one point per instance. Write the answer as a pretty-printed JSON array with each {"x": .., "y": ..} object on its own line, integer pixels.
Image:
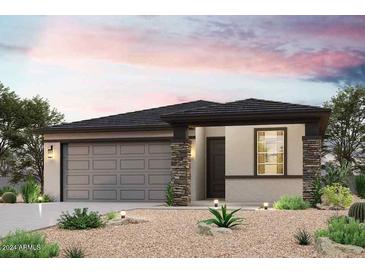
[{"x": 36, "y": 216}]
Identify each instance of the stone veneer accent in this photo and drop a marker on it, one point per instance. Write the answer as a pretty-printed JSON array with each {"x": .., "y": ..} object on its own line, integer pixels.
[
  {"x": 181, "y": 171},
  {"x": 311, "y": 164}
]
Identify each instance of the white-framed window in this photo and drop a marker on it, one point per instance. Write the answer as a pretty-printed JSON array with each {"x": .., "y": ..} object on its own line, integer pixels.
[{"x": 270, "y": 151}]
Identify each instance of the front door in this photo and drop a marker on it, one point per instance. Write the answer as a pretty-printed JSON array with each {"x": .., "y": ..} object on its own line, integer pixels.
[{"x": 216, "y": 167}]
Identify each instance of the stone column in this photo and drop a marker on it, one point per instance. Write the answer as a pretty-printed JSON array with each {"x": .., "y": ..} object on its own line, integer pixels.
[
  {"x": 311, "y": 164},
  {"x": 181, "y": 167}
]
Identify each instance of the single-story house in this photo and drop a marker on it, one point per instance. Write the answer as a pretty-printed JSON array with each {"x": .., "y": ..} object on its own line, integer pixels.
[{"x": 247, "y": 151}]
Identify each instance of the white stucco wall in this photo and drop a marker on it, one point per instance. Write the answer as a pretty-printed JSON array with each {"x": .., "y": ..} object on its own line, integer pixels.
[
  {"x": 52, "y": 170},
  {"x": 240, "y": 162}
]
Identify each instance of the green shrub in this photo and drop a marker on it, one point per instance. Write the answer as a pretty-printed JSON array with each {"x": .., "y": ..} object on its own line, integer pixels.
[
  {"x": 23, "y": 244},
  {"x": 360, "y": 185},
  {"x": 337, "y": 196},
  {"x": 9, "y": 197},
  {"x": 223, "y": 218},
  {"x": 74, "y": 252},
  {"x": 7, "y": 189},
  {"x": 80, "y": 219},
  {"x": 317, "y": 191},
  {"x": 31, "y": 190},
  {"x": 336, "y": 174},
  {"x": 291, "y": 203},
  {"x": 169, "y": 195},
  {"x": 302, "y": 237},
  {"x": 45, "y": 198},
  {"x": 111, "y": 215},
  {"x": 344, "y": 230},
  {"x": 357, "y": 211}
]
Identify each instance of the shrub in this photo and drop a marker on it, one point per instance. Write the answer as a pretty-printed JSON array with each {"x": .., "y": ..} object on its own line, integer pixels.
[
  {"x": 8, "y": 189},
  {"x": 317, "y": 192},
  {"x": 344, "y": 230},
  {"x": 302, "y": 237},
  {"x": 23, "y": 244},
  {"x": 111, "y": 215},
  {"x": 30, "y": 190},
  {"x": 291, "y": 203},
  {"x": 360, "y": 185},
  {"x": 45, "y": 198},
  {"x": 337, "y": 196},
  {"x": 336, "y": 174},
  {"x": 80, "y": 219},
  {"x": 224, "y": 219},
  {"x": 169, "y": 195},
  {"x": 9, "y": 197},
  {"x": 357, "y": 211},
  {"x": 74, "y": 252}
]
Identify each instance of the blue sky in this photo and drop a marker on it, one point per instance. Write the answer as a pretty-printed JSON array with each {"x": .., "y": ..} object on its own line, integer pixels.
[{"x": 90, "y": 66}]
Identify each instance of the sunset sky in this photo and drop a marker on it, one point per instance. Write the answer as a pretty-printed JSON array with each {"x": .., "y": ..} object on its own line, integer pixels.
[{"x": 92, "y": 66}]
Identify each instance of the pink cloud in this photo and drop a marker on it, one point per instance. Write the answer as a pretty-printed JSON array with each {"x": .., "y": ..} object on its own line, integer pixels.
[{"x": 65, "y": 43}]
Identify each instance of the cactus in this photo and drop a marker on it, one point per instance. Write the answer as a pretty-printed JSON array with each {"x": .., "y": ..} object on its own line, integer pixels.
[
  {"x": 9, "y": 197},
  {"x": 357, "y": 211}
]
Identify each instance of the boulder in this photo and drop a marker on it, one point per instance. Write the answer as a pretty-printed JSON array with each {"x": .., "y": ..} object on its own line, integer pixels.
[
  {"x": 126, "y": 221},
  {"x": 210, "y": 230},
  {"x": 327, "y": 247}
]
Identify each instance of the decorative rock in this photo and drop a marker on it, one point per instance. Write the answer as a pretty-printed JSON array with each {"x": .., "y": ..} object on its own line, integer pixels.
[
  {"x": 126, "y": 221},
  {"x": 327, "y": 247},
  {"x": 209, "y": 230}
]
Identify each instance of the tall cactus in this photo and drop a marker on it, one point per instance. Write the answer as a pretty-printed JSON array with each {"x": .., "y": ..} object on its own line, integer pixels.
[{"x": 357, "y": 211}]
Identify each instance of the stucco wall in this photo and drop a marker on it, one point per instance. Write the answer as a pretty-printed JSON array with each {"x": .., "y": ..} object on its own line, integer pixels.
[
  {"x": 240, "y": 161},
  {"x": 52, "y": 170}
]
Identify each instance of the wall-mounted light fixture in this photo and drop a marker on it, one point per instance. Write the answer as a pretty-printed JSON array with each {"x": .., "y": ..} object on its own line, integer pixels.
[{"x": 50, "y": 152}]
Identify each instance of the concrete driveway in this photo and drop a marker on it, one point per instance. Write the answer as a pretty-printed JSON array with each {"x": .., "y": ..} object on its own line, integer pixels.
[{"x": 36, "y": 216}]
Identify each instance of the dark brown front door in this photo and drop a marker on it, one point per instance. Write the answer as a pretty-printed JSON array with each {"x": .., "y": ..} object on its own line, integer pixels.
[{"x": 215, "y": 167}]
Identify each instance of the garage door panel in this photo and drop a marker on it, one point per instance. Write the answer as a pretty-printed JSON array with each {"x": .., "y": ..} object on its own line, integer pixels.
[
  {"x": 105, "y": 194},
  {"x": 76, "y": 194},
  {"x": 132, "y": 179},
  {"x": 132, "y": 164},
  {"x": 77, "y": 180},
  {"x": 78, "y": 150},
  {"x": 132, "y": 195},
  {"x": 132, "y": 148},
  {"x": 104, "y": 164},
  {"x": 78, "y": 165},
  {"x": 116, "y": 171},
  {"x": 159, "y": 179},
  {"x": 156, "y": 195},
  {"x": 159, "y": 163},
  {"x": 104, "y": 149},
  {"x": 159, "y": 148},
  {"x": 105, "y": 179}
]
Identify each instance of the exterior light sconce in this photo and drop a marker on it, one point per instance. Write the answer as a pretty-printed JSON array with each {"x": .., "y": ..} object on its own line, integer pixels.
[
  {"x": 216, "y": 203},
  {"x": 123, "y": 214},
  {"x": 50, "y": 152},
  {"x": 266, "y": 205}
]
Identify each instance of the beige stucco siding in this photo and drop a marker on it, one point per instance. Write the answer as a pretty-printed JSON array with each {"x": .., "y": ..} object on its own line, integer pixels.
[
  {"x": 240, "y": 149},
  {"x": 52, "y": 170},
  {"x": 240, "y": 162},
  {"x": 256, "y": 191}
]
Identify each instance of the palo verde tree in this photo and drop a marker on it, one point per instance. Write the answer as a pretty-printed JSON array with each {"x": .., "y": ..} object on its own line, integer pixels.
[{"x": 345, "y": 136}]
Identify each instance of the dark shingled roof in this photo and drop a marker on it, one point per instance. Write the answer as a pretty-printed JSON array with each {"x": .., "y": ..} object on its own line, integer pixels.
[
  {"x": 161, "y": 117},
  {"x": 143, "y": 119},
  {"x": 246, "y": 107}
]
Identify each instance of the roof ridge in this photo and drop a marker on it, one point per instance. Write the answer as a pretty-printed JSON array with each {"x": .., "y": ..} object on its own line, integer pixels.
[{"x": 280, "y": 102}]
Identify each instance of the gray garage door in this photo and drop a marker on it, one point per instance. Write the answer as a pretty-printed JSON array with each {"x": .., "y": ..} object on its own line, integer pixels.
[{"x": 116, "y": 171}]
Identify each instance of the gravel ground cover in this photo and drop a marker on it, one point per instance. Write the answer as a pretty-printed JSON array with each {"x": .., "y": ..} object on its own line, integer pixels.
[{"x": 173, "y": 233}]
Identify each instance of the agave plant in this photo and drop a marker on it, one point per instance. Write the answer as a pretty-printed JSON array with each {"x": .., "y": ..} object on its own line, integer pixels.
[{"x": 223, "y": 218}]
